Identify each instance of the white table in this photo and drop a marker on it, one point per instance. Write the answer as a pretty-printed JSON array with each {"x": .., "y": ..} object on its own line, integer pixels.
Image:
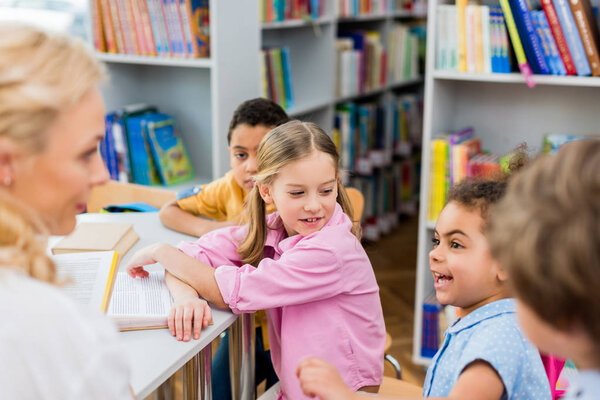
[{"x": 154, "y": 355}]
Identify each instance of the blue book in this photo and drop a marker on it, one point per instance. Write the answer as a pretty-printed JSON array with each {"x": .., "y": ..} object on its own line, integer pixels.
[
  {"x": 287, "y": 77},
  {"x": 559, "y": 65},
  {"x": 567, "y": 24},
  {"x": 168, "y": 150},
  {"x": 111, "y": 154},
  {"x": 529, "y": 39},
  {"x": 364, "y": 115},
  {"x": 543, "y": 42},
  {"x": 143, "y": 167}
]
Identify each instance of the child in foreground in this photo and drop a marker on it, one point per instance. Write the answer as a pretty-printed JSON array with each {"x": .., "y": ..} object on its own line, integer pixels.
[
  {"x": 553, "y": 208},
  {"x": 303, "y": 264},
  {"x": 484, "y": 355}
]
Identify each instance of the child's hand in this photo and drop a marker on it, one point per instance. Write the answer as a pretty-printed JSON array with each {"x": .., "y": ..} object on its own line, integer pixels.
[
  {"x": 320, "y": 379},
  {"x": 188, "y": 313},
  {"x": 145, "y": 256}
]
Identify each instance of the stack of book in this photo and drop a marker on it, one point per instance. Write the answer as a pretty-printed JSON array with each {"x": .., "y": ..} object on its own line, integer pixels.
[
  {"x": 143, "y": 146},
  {"x": 379, "y": 160},
  {"x": 406, "y": 45},
  {"x": 353, "y": 8},
  {"x": 558, "y": 37},
  {"x": 165, "y": 28},
  {"x": 360, "y": 62},
  {"x": 285, "y": 10},
  {"x": 277, "y": 76}
]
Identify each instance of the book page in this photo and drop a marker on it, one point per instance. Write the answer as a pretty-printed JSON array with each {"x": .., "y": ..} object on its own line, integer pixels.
[
  {"x": 88, "y": 276},
  {"x": 145, "y": 300}
]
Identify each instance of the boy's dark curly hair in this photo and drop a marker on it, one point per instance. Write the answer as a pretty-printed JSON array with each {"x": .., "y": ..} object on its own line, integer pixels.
[{"x": 258, "y": 111}]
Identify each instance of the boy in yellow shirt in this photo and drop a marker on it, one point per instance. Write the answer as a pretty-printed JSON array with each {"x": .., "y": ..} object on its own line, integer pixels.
[
  {"x": 199, "y": 210},
  {"x": 221, "y": 202}
]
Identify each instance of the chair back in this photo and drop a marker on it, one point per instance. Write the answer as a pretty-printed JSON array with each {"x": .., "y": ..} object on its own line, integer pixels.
[
  {"x": 114, "y": 192},
  {"x": 357, "y": 201}
]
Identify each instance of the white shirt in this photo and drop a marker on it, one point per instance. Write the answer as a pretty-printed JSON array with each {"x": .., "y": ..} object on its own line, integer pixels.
[
  {"x": 585, "y": 385},
  {"x": 51, "y": 349}
]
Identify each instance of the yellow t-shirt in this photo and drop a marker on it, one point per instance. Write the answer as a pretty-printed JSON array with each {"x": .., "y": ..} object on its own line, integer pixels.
[{"x": 222, "y": 200}]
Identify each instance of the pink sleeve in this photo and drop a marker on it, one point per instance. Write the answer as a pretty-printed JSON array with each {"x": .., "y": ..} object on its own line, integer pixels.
[
  {"x": 303, "y": 274},
  {"x": 216, "y": 248}
]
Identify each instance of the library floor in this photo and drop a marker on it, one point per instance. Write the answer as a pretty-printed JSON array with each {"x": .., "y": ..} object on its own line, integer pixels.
[{"x": 394, "y": 259}]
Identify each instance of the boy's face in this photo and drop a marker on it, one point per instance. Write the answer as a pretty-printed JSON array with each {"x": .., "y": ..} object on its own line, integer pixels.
[
  {"x": 242, "y": 152},
  {"x": 464, "y": 272}
]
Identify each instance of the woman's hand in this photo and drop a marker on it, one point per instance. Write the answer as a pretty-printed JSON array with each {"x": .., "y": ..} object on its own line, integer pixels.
[
  {"x": 145, "y": 256},
  {"x": 320, "y": 379},
  {"x": 189, "y": 314}
]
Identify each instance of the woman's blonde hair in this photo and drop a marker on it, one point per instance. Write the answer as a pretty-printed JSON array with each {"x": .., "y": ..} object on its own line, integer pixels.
[
  {"x": 21, "y": 244},
  {"x": 289, "y": 142},
  {"x": 41, "y": 75}
]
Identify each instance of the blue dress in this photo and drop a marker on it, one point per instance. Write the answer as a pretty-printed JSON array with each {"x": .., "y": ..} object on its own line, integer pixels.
[{"x": 490, "y": 333}]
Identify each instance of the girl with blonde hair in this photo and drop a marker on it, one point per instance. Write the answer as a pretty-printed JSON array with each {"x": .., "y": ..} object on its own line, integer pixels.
[
  {"x": 303, "y": 264},
  {"x": 51, "y": 122}
]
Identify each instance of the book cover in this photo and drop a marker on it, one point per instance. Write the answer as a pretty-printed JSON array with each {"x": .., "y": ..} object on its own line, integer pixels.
[
  {"x": 567, "y": 24},
  {"x": 529, "y": 39},
  {"x": 559, "y": 37},
  {"x": 168, "y": 150},
  {"x": 516, "y": 43},
  {"x": 92, "y": 237},
  {"x": 559, "y": 65},
  {"x": 200, "y": 23},
  {"x": 588, "y": 32}
]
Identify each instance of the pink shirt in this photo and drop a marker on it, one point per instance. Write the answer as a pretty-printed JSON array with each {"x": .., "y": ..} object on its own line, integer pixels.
[{"x": 319, "y": 292}]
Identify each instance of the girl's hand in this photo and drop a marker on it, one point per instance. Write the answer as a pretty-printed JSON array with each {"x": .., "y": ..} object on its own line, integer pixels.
[
  {"x": 145, "y": 256},
  {"x": 320, "y": 379},
  {"x": 189, "y": 314}
]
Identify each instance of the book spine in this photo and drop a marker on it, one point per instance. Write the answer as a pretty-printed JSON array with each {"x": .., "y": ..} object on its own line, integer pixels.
[
  {"x": 516, "y": 42},
  {"x": 151, "y": 47},
  {"x": 287, "y": 77},
  {"x": 114, "y": 11},
  {"x": 97, "y": 29},
  {"x": 559, "y": 37},
  {"x": 461, "y": 6},
  {"x": 470, "y": 38},
  {"x": 586, "y": 27},
  {"x": 108, "y": 27},
  {"x": 529, "y": 39},
  {"x": 129, "y": 36},
  {"x": 567, "y": 23},
  {"x": 161, "y": 19},
  {"x": 486, "y": 39},
  {"x": 558, "y": 62},
  {"x": 200, "y": 22},
  {"x": 186, "y": 23},
  {"x": 138, "y": 26},
  {"x": 157, "y": 35},
  {"x": 544, "y": 44}
]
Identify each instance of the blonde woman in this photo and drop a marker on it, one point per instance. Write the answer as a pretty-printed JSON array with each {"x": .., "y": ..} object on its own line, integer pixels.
[{"x": 51, "y": 122}]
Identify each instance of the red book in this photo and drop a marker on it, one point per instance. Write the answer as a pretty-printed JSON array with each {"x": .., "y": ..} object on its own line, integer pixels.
[{"x": 559, "y": 37}]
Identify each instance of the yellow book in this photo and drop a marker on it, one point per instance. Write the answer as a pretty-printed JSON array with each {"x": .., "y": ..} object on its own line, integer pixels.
[{"x": 461, "y": 6}]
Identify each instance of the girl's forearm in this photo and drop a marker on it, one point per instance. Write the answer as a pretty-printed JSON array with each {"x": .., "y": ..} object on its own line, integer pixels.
[{"x": 198, "y": 275}]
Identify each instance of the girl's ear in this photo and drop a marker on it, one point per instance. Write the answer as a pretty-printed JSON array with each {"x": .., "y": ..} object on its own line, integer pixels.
[{"x": 265, "y": 192}]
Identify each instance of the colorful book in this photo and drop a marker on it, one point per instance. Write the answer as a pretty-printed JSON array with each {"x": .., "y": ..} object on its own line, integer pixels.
[
  {"x": 559, "y": 37},
  {"x": 569, "y": 29},
  {"x": 529, "y": 39},
  {"x": 199, "y": 12},
  {"x": 168, "y": 150},
  {"x": 516, "y": 43},
  {"x": 588, "y": 31}
]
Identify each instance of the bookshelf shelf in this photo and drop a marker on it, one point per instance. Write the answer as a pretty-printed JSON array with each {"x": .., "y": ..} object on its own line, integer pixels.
[
  {"x": 147, "y": 60},
  {"x": 504, "y": 113},
  {"x": 307, "y": 108},
  {"x": 373, "y": 92},
  {"x": 518, "y": 78},
  {"x": 297, "y": 23},
  {"x": 362, "y": 18}
]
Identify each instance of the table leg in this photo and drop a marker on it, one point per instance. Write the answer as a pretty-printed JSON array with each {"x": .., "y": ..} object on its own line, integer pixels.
[
  {"x": 242, "y": 338},
  {"x": 204, "y": 378}
]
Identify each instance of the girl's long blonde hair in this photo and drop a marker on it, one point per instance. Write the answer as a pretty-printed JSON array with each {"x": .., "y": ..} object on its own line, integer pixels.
[
  {"x": 41, "y": 75},
  {"x": 289, "y": 142}
]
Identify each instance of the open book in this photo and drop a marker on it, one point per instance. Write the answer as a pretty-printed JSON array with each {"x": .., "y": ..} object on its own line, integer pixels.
[{"x": 91, "y": 279}]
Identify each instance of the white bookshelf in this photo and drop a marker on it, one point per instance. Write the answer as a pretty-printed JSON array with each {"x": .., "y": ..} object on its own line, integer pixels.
[
  {"x": 312, "y": 51},
  {"x": 200, "y": 93},
  {"x": 504, "y": 113}
]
